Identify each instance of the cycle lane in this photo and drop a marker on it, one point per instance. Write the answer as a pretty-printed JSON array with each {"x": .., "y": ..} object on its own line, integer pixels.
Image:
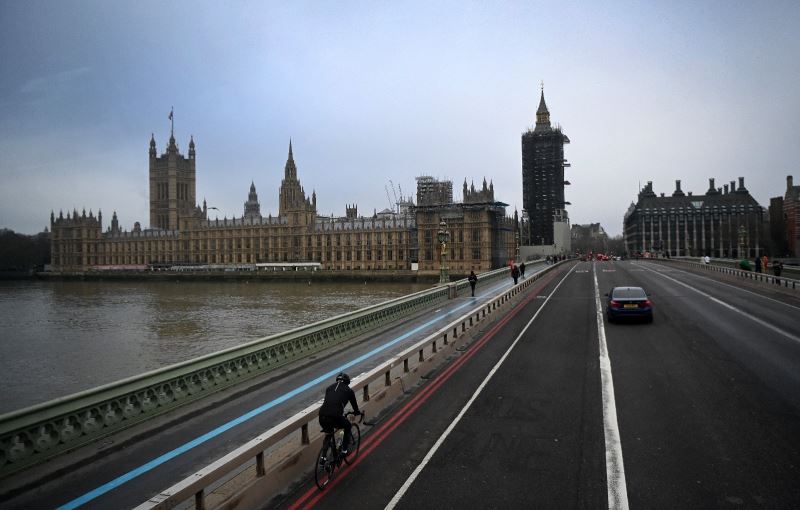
[{"x": 532, "y": 437}]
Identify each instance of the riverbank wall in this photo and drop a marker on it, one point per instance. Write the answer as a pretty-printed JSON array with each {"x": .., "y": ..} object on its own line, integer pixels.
[{"x": 431, "y": 277}]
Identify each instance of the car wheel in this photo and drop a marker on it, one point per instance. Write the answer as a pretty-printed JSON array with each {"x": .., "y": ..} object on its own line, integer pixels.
[{"x": 650, "y": 319}]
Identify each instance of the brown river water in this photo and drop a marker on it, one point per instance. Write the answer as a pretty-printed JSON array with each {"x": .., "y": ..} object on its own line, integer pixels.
[{"x": 58, "y": 338}]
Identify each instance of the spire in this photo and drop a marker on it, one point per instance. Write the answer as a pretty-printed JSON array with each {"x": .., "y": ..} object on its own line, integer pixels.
[
  {"x": 152, "y": 145},
  {"x": 542, "y": 115},
  {"x": 290, "y": 171}
]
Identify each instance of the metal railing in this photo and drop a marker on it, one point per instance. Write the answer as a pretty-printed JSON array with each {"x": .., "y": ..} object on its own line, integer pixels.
[
  {"x": 40, "y": 432},
  {"x": 782, "y": 281},
  {"x": 266, "y": 465}
]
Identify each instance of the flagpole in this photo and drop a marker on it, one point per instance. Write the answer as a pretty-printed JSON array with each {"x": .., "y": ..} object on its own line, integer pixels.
[{"x": 172, "y": 122}]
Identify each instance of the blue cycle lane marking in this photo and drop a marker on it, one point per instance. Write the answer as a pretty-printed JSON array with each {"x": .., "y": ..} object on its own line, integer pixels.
[{"x": 144, "y": 468}]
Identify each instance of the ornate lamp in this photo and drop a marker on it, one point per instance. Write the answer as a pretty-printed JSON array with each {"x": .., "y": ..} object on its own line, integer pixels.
[{"x": 443, "y": 236}]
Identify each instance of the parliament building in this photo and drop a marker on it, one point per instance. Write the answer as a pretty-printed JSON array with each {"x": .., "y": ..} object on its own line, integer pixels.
[{"x": 181, "y": 236}]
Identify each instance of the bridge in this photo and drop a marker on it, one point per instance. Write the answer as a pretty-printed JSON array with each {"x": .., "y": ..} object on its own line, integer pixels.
[{"x": 523, "y": 396}]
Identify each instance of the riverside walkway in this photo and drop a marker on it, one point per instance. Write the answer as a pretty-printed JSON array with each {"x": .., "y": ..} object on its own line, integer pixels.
[{"x": 128, "y": 467}]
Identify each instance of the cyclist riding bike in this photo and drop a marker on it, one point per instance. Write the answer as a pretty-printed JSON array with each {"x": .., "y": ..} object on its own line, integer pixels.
[{"x": 331, "y": 414}]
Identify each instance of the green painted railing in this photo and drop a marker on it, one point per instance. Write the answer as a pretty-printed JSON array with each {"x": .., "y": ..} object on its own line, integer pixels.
[{"x": 34, "y": 434}]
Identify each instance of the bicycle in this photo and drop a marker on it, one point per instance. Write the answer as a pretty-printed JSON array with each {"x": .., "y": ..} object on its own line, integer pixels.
[{"x": 330, "y": 455}]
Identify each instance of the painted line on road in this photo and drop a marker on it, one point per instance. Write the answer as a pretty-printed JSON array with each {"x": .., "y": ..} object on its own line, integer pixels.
[
  {"x": 731, "y": 307},
  {"x": 384, "y": 430},
  {"x": 400, "y": 493},
  {"x": 731, "y": 286},
  {"x": 615, "y": 469},
  {"x": 154, "y": 463}
]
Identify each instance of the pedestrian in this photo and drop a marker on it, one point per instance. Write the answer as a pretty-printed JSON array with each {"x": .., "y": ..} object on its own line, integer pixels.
[
  {"x": 515, "y": 273},
  {"x": 758, "y": 264},
  {"x": 522, "y": 270},
  {"x": 473, "y": 279},
  {"x": 764, "y": 262},
  {"x": 777, "y": 267}
]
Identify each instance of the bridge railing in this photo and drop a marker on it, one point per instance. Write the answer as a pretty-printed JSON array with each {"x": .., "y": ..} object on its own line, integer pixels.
[
  {"x": 34, "y": 434},
  {"x": 766, "y": 278},
  {"x": 265, "y": 466}
]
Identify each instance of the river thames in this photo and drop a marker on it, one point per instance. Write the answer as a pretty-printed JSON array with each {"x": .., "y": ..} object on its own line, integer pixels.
[{"x": 58, "y": 338}]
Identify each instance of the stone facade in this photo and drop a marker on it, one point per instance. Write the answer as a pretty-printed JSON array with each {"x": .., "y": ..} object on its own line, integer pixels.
[
  {"x": 182, "y": 235},
  {"x": 713, "y": 224}
]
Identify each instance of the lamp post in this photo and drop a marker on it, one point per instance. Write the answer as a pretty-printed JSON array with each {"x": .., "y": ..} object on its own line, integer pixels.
[{"x": 443, "y": 236}]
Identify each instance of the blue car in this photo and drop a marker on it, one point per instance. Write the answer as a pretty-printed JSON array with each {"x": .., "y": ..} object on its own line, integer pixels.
[{"x": 628, "y": 302}]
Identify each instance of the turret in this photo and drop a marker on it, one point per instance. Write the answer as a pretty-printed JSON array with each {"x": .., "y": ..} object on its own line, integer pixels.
[
  {"x": 152, "y": 146},
  {"x": 542, "y": 116},
  {"x": 191, "y": 147},
  {"x": 678, "y": 192}
]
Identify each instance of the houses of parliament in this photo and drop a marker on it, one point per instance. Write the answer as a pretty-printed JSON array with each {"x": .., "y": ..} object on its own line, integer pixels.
[{"x": 180, "y": 233}]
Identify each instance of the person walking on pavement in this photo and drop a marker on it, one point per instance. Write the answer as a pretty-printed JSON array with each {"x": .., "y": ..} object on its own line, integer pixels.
[
  {"x": 758, "y": 265},
  {"x": 777, "y": 268},
  {"x": 522, "y": 270},
  {"x": 515, "y": 273},
  {"x": 473, "y": 279}
]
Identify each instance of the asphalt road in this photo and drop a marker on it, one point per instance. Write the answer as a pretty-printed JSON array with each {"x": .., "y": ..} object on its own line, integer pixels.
[{"x": 705, "y": 406}]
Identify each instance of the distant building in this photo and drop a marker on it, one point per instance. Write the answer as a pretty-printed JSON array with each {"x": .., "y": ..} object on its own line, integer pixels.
[
  {"x": 181, "y": 234},
  {"x": 713, "y": 224},
  {"x": 432, "y": 191},
  {"x": 543, "y": 181},
  {"x": 481, "y": 236},
  {"x": 779, "y": 244},
  {"x": 589, "y": 238},
  {"x": 791, "y": 216}
]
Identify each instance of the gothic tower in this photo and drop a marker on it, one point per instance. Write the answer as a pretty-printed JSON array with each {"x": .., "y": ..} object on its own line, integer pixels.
[
  {"x": 172, "y": 186},
  {"x": 543, "y": 176},
  {"x": 292, "y": 201},
  {"x": 252, "y": 208}
]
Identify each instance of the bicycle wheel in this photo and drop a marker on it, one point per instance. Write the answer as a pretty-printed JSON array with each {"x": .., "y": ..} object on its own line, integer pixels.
[
  {"x": 355, "y": 443},
  {"x": 326, "y": 463}
]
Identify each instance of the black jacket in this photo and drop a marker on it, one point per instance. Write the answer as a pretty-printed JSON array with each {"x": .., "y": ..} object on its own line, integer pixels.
[{"x": 337, "y": 395}]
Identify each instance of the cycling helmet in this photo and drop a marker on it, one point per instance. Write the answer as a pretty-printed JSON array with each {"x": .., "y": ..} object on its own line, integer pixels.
[{"x": 342, "y": 377}]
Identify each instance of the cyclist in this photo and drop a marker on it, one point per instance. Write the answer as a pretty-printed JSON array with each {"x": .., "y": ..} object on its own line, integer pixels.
[{"x": 331, "y": 414}]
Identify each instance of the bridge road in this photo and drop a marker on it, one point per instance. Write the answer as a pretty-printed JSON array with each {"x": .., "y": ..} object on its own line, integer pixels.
[
  {"x": 705, "y": 399},
  {"x": 116, "y": 478}
]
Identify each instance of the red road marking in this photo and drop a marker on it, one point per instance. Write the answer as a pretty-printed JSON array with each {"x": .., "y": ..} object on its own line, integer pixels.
[{"x": 376, "y": 438}]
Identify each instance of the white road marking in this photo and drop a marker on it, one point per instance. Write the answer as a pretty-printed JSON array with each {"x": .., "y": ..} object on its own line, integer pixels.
[
  {"x": 615, "y": 469},
  {"x": 731, "y": 307},
  {"x": 731, "y": 286},
  {"x": 401, "y": 492},
  {"x": 609, "y": 270}
]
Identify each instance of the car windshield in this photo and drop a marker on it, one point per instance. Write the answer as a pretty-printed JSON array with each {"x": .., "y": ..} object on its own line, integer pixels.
[{"x": 629, "y": 293}]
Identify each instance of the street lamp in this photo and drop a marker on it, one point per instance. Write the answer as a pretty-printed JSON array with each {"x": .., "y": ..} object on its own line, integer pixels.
[{"x": 443, "y": 236}]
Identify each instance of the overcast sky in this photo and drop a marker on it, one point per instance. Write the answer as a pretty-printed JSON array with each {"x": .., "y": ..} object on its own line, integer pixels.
[{"x": 373, "y": 93}]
